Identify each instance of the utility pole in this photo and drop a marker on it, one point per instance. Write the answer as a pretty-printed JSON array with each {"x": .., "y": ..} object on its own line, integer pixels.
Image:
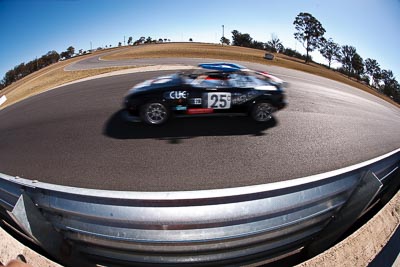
[
  {"x": 223, "y": 34},
  {"x": 124, "y": 40},
  {"x": 91, "y": 49}
]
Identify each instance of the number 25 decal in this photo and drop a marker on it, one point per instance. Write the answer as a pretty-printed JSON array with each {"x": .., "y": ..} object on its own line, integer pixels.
[{"x": 219, "y": 100}]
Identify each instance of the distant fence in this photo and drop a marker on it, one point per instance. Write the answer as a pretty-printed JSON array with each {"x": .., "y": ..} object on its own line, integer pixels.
[{"x": 209, "y": 227}]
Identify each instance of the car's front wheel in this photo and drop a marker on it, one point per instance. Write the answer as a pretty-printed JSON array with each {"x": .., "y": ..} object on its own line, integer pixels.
[
  {"x": 154, "y": 113},
  {"x": 262, "y": 112}
]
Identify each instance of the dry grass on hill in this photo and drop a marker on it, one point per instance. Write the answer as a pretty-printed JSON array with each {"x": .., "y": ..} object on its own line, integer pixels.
[
  {"x": 201, "y": 50},
  {"x": 55, "y": 75},
  {"x": 47, "y": 78}
]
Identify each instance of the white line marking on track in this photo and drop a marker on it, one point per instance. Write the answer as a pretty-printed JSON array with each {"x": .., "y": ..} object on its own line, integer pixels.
[{"x": 3, "y": 99}]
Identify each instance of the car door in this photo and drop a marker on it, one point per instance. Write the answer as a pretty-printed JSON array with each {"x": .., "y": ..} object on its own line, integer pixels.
[{"x": 210, "y": 94}]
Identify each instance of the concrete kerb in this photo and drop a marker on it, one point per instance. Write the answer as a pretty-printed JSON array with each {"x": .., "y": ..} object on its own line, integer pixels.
[
  {"x": 359, "y": 249},
  {"x": 10, "y": 248}
]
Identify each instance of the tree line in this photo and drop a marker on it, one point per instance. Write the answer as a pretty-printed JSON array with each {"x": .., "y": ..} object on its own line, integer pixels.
[
  {"x": 274, "y": 45},
  {"x": 310, "y": 33},
  {"x": 24, "y": 69},
  {"x": 144, "y": 40}
]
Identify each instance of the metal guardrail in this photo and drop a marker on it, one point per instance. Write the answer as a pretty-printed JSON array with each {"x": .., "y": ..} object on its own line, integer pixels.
[{"x": 222, "y": 226}]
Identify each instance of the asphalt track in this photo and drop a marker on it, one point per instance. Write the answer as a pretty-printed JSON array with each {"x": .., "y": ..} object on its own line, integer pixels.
[{"x": 75, "y": 136}]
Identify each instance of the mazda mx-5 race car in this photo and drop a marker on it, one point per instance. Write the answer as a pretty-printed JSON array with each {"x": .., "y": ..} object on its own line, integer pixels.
[{"x": 215, "y": 89}]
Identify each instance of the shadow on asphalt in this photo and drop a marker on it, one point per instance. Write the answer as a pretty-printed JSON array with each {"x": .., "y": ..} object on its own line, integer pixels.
[{"x": 178, "y": 129}]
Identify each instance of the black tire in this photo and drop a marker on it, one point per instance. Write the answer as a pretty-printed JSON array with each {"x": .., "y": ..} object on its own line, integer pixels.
[
  {"x": 154, "y": 113},
  {"x": 262, "y": 112}
]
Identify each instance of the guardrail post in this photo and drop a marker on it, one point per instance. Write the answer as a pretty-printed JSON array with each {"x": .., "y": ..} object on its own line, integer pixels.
[
  {"x": 393, "y": 187},
  {"x": 32, "y": 222},
  {"x": 362, "y": 196},
  {"x": 29, "y": 218}
]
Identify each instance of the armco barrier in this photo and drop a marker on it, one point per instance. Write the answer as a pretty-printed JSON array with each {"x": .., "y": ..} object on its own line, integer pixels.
[{"x": 223, "y": 226}]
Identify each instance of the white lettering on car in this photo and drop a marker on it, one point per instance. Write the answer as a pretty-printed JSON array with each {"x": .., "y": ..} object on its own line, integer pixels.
[{"x": 178, "y": 95}]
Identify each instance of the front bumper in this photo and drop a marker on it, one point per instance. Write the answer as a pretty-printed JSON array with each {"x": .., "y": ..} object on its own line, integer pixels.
[{"x": 127, "y": 116}]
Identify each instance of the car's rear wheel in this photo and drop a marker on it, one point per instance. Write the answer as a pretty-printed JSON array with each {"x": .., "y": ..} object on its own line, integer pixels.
[
  {"x": 154, "y": 113},
  {"x": 262, "y": 112}
]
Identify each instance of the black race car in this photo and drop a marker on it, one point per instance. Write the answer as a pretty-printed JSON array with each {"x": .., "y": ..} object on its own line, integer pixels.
[{"x": 215, "y": 89}]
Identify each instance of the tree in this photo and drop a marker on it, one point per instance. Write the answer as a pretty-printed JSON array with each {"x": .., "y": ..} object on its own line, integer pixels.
[
  {"x": 71, "y": 51},
  {"x": 257, "y": 45},
  {"x": 347, "y": 53},
  {"x": 330, "y": 50},
  {"x": 396, "y": 92},
  {"x": 373, "y": 69},
  {"x": 65, "y": 55},
  {"x": 239, "y": 39},
  {"x": 387, "y": 76},
  {"x": 391, "y": 87},
  {"x": 275, "y": 44},
  {"x": 119, "y": 44},
  {"x": 225, "y": 41},
  {"x": 357, "y": 65},
  {"x": 365, "y": 79},
  {"x": 50, "y": 58},
  {"x": 190, "y": 39},
  {"x": 20, "y": 71},
  {"x": 309, "y": 32},
  {"x": 160, "y": 40},
  {"x": 32, "y": 66},
  {"x": 140, "y": 41},
  {"x": 281, "y": 48},
  {"x": 129, "y": 40},
  {"x": 148, "y": 40},
  {"x": 377, "y": 76},
  {"x": 9, "y": 77}
]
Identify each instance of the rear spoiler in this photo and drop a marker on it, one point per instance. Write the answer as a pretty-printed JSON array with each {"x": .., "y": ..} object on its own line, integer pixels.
[{"x": 225, "y": 67}]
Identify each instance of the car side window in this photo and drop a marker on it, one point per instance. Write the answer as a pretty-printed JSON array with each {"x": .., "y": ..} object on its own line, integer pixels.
[
  {"x": 239, "y": 80},
  {"x": 210, "y": 83}
]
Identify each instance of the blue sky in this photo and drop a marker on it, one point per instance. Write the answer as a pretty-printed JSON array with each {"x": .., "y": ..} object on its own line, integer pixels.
[{"x": 31, "y": 28}]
